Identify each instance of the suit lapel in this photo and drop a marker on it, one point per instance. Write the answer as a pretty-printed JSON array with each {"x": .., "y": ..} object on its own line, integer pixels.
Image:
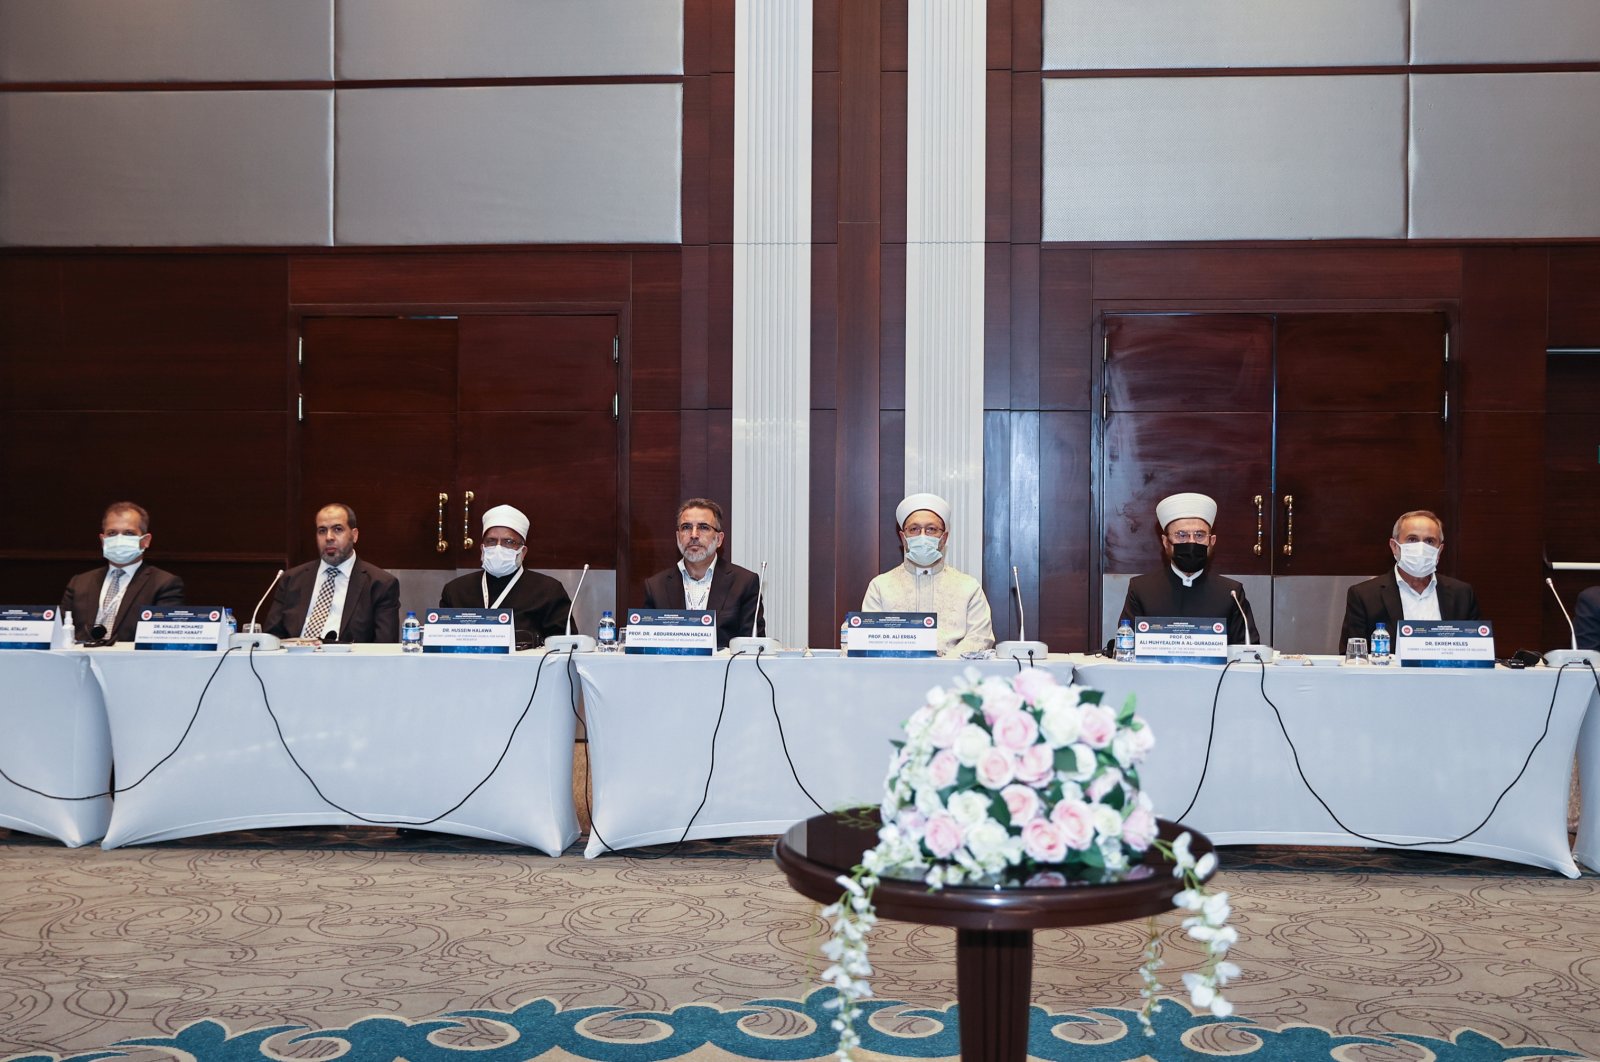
[
  {"x": 354, "y": 594},
  {"x": 120, "y": 624},
  {"x": 721, "y": 579},
  {"x": 1390, "y": 592}
]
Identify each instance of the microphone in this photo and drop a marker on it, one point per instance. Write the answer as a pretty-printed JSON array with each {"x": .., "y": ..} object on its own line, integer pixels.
[
  {"x": 251, "y": 637},
  {"x": 97, "y": 637},
  {"x": 754, "y": 643},
  {"x": 1250, "y": 650},
  {"x": 1562, "y": 657},
  {"x": 569, "y": 642},
  {"x": 331, "y": 644},
  {"x": 1021, "y": 649}
]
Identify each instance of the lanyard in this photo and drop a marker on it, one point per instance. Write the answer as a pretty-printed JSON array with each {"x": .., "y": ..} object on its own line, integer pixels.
[{"x": 484, "y": 579}]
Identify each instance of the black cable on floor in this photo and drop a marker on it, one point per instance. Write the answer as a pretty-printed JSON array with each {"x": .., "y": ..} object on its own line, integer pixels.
[
  {"x": 783, "y": 740},
  {"x": 1211, "y": 733}
]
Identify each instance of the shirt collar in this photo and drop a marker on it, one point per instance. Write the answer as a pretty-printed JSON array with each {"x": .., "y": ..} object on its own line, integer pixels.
[
  {"x": 127, "y": 570},
  {"x": 344, "y": 569},
  {"x": 1184, "y": 577},
  {"x": 917, "y": 569},
  {"x": 1406, "y": 588},
  {"x": 705, "y": 580}
]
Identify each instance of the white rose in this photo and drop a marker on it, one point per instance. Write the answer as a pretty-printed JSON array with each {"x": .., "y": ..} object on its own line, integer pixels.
[
  {"x": 1107, "y": 820},
  {"x": 986, "y": 841},
  {"x": 928, "y": 802},
  {"x": 971, "y": 743},
  {"x": 1059, "y": 726},
  {"x": 1086, "y": 764},
  {"x": 1058, "y": 697},
  {"x": 969, "y": 808}
]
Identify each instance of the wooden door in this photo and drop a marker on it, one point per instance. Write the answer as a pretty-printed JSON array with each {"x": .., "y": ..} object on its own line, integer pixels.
[{"x": 1572, "y": 481}]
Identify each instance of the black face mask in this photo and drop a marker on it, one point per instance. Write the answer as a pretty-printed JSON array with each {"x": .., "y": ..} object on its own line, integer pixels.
[{"x": 1189, "y": 557}]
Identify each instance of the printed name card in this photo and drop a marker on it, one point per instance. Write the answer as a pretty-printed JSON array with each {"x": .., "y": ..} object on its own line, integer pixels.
[
  {"x": 892, "y": 634},
  {"x": 187, "y": 628},
  {"x": 1176, "y": 640},
  {"x": 1444, "y": 643},
  {"x": 671, "y": 632},
  {"x": 469, "y": 630},
  {"x": 32, "y": 627}
]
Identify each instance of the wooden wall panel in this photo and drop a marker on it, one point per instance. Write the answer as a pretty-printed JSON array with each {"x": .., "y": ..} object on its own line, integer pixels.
[
  {"x": 1498, "y": 540},
  {"x": 997, "y": 155},
  {"x": 719, "y": 329},
  {"x": 892, "y": 333},
  {"x": 822, "y": 591},
  {"x": 655, "y": 457},
  {"x": 1501, "y": 339},
  {"x": 719, "y": 178},
  {"x": 1575, "y": 297},
  {"x": 891, "y": 488},
  {"x": 893, "y": 165},
  {"x": 697, "y": 178},
  {"x": 655, "y": 331},
  {"x": 1066, "y": 508},
  {"x": 1067, "y": 342},
  {"x": 1027, "y": 34},
  {"x": 997, "y": 325},
  {"x": 460, "y": 278},
  {"x": 1027, "y": 160},
  {"x": 824, "y": 156},
  {"x": 824, "y": 328},
  {"x": 694, "y": 319},
  {"x": 1278, "y": 273}
]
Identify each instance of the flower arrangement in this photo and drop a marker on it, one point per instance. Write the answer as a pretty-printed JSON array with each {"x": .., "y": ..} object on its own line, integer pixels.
[{"x": 1030, "y": 781}]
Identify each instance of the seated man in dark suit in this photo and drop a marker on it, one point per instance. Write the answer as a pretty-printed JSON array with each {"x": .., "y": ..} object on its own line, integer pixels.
[
  {"x": 1586, "y": 619},
  {"x": 112, "y": 597},
  {"x": 1185, "y": 586},
  {"x": 339, "y": 591},
  {"x": 1411, "y": 589},
  {"x": 701, "y": 581},
  {"x": 538, "y": 602}
]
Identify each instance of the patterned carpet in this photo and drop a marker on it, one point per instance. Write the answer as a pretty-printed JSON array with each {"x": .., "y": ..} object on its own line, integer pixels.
[{"x": 365, "y": 946}]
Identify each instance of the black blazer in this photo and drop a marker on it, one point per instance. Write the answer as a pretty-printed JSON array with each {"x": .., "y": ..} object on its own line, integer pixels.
[
  {"x": 538, "y": 602},
  {"x": 150, "y": 586},
  {"x": 1162, "y": 593},
  {"x": 732, "y": 597},
  {"x": 1586, "y": 618},
  {"x": 371, "y": 604},
  {"x": 1378, "y": 601}
]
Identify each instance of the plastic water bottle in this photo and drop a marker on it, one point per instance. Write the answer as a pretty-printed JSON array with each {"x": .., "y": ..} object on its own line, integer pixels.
[
  {"x": 1380, "y": 645},
  {"x": 1125, "y": 642},
  {"x": 411, "y": 634},
  {"x": 844, "y": 638},
  {"x": 606, "y": 633},
  {"x": 229, "y": 622}
]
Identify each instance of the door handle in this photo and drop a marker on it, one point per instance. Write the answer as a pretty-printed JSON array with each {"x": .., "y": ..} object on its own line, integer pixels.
[
  {"x": 1288, "y": 536},
  {"x": 442, "y": 544},
  {"x": 1258, "y": 525},
  {"x": 466, "y": 520}
]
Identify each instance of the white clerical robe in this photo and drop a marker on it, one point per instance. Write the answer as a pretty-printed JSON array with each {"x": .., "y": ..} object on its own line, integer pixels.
[{"x": 957, "y": 598}]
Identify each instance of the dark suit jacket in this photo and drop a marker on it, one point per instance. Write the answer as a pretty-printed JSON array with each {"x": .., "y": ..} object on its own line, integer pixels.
[
  {"x": 732, "y": 597},
  {"x": 1163, "y": 594},
  {"x": 1586, "y": 618},
  {"x": 1378, "y": 601},
  {"x": 150, "y": 586},
  {"x": 538, "y": 602},
  {"x": 371, "y": 604}
]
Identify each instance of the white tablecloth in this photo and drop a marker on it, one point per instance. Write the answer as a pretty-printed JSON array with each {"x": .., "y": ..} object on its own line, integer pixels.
[
  {"x": 1401, "y": 755},
  {"x": 388, "y": 736},
  {"x": 1587, "y": 848},
  {"x": 53, "y": 737}
]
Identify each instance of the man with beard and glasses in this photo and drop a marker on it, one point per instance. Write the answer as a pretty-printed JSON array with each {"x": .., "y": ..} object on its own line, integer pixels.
[
  {"x": 1186, "y": 587},
  {"x": 703, "y": 581},
  {"x": 337, "y": 592},
  {"x": 1411, "y": 589},
  {"x": 925, "y": 582},
  {"x": 538, "y": 602}
]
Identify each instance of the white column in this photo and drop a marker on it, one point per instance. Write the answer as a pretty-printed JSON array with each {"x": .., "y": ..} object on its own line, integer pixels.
[
  {"x": 770, "y": 508},
  {"x": 944, "y": 264}
]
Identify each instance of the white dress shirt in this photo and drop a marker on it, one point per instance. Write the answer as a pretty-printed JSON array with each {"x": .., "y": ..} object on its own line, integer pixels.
[
  {"x": 128, "y": 572},
  {"x": 341, "y": 588},
  {"x": 697, "y": 592},
  {"x": 1418, "y": 605}
]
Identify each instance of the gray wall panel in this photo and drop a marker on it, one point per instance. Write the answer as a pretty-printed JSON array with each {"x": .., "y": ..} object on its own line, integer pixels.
[
  {"x": 165, "y": 168},
  {"x": 556, "y": 164},
  {"x": 1224, "y": 158},
  {"x": 1496, "y": 31},
  {"x": 1505, "y": 155},
  {"x": 166, "y": 40},
  {"x": 509, "y": 38},
  {"x": 1130, "y": 34}
]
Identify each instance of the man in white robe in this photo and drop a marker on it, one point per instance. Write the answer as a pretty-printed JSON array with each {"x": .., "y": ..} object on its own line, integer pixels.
[{"x": 925, "y": 582}]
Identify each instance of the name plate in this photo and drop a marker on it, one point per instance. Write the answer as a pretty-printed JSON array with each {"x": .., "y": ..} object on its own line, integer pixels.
[
  {"x": 1176, "y": 640},
  {"x": 892, "y": 633},
  {"x": 469, "y": 630},
  {"x": 185, "y": 628},
  {"x": 1444, "y": 643},
  {"x": 32, "y": 627},
  {"x": 671, "y": 632}
]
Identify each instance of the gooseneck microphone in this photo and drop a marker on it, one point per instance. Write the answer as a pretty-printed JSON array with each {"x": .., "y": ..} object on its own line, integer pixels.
[
  {"x": 754, "y": 643},
  {"x": 1562, "y": 657},
  {"x": 1021, "y": 648},
  {"x": 569, "y": 642},
  {"x": 1250, "y": 650},
  {"x": 252, "y": 636}
]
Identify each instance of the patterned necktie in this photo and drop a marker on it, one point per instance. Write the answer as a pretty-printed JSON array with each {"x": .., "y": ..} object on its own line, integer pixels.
[
  {"x": 316, "y": 622},
  {"x": 107, "y": 615}
]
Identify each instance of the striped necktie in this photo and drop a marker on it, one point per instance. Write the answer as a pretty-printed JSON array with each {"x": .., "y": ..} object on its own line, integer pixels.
[{"x": 107, "y": 615}]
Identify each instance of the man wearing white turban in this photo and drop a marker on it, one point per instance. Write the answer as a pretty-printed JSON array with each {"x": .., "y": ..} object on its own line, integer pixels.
[
  {"x": 538, "y": 602},
  {"x": 925, "y": 582},
  {"x": 1186, "y": 587}
]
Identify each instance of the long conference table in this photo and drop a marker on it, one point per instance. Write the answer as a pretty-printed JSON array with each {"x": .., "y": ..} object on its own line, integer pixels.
[{"x": 1413, "y": 758}]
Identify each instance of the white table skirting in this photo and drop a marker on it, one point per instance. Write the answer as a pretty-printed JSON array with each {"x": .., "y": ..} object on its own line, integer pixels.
[{"x": 53, "y": 737}]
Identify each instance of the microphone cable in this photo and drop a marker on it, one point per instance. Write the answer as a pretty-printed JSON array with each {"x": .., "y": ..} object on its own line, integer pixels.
[
  {"x": 537, "y": 675},
  {"x": 114, "y": 790},
  {"x": 1211, "y": 734},
  {"x": 782, "y": 740}
]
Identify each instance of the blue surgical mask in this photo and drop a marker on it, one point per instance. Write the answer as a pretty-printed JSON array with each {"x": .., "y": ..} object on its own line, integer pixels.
[
  {"x": 924, "y": 550},
  {"x": 501, "y": 560},
  {"x": 121, "y": 549}
]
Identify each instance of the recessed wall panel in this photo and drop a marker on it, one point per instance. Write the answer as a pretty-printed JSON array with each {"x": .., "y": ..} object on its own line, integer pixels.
[
  {"x": 1495, "y": 31},
  {"x": 545, "y": 164},
  {"x": 1135, "y": 34},
  {"x": 509, "y": 38},
  {"x": 1224, "y": 158},
  {"x": 166, "y": 40},
  {"x": 165, "y": 168}
]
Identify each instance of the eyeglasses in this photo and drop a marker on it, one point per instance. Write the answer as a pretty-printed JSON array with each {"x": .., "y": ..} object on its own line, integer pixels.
[
  {"x": 936, "y": 530},
  {"x": 508, "y": 543},
  {"x": 1201, "y": 537},
  {"x": 704, "y": 529}
]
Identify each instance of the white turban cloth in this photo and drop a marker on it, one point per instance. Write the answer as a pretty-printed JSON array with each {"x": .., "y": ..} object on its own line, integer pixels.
[
  {"x": 913, "y": 502},
  {"x": 1186, "y": 507},
  {"x": 506, "y": 516}
]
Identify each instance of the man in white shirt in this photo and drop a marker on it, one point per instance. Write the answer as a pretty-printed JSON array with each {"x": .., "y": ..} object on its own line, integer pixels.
[
  {"x": 1412, "y": 589},
  {"x": 925, "y": 582},
  {"x": 105, "y": 603},
  {"x": 704, "y": 581},
  {"x": 339, "y": 592}
]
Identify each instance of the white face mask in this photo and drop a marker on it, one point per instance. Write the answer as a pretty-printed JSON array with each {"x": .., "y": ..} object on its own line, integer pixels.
[
  {"x": 923, "y": 550},
  {"x": 1418, "y": 559},
  {"x": 121, "y": 549},
  {"x": 502, "y": 560}
]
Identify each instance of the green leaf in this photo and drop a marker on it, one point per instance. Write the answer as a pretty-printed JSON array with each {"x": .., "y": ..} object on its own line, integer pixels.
[
  {"x": 972, "y": 699},
  {"x": 1093, "y": 858},
  {"x": 1115, "y": 799},
  {"x": 1125, "y": 716},
  {"x": 999, "y": 810},
  {"x": 898, "y": 744},
  {"x": 966, "y": 778},
  {"x": 1066, "y": 760},
  {"x": 1090, "y": 696}
]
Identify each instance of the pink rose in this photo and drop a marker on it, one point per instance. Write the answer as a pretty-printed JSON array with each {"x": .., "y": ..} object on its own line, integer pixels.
[
  {"x": 1037, "y": 765},
  {"x": 947, "y": 723},
  {"x": 1139, "y": 829},
  {"x": 942, "y": 769},
  {"x": 1076, "y": 825},
  {"x": 943, "y": 835},
  {"x": 1104, "y": 782},
  {"x": 998, "y": 699},
  {"x": 1015, "y": 731},
  {"x": 1032, "y": 683},
  {"x": 1098, "y": 726},
  {"x": 911, "y": 821},
  {"x": 996, "y": 769},
  {"x": 1043, "y": 841},
  {"x": 1046, "y": 879},
  {"x": 1022, "y": 802}
]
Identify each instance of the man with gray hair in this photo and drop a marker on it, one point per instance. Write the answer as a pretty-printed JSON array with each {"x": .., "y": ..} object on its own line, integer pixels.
[
  {"x": 1412, "y": 589},
  {"x": 925, "y": 582},
  {"x": 112, "y": 597}
]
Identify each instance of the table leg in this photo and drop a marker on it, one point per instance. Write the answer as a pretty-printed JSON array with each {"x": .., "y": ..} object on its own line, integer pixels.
[{"x": 994, "y": 985}]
